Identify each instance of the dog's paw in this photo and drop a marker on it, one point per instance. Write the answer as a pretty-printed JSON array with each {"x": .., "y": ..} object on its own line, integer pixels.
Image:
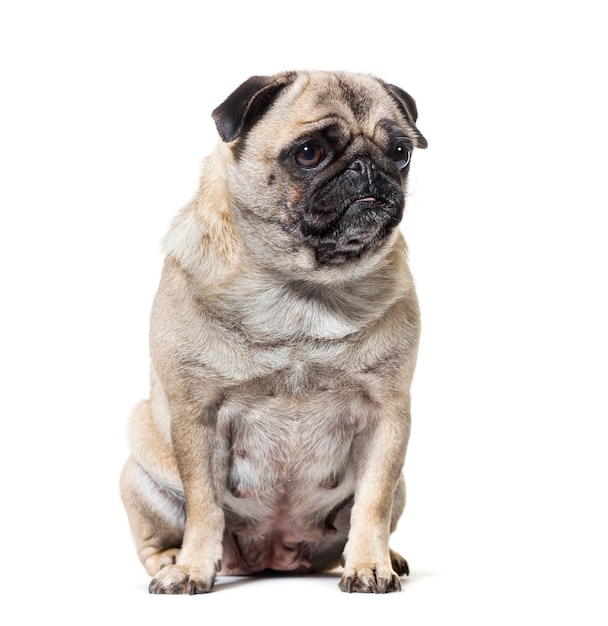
[
  {"x": 370, "y": 578},
  {"x": 155, "y": 562},
  {"x": 399, "y": 564},
  {"x": 175, "y": 579}
]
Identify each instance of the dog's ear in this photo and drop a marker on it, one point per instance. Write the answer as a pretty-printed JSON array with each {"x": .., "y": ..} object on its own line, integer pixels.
[
  {"x": 247, "y": 103},
  {"x": 407, "y": 105}
]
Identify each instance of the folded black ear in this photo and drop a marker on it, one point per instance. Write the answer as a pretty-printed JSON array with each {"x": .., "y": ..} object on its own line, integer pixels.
[
  {"x": 407, "y": 104},
  {"x": 247, "y": 103}
]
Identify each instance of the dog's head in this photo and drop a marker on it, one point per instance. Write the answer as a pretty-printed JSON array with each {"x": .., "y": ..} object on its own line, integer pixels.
[{"x": 319, "y": 168}]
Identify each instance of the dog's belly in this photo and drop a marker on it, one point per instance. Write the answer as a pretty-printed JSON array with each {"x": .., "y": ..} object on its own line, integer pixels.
[
  {"x": 290, "y": 479},
  {"x": 283, "y": 543}
]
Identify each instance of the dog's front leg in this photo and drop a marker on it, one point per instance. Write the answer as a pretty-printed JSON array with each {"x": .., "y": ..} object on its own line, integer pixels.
[
  {"x": 379, "y": 453},
  {"x": 198, "y": 451}
]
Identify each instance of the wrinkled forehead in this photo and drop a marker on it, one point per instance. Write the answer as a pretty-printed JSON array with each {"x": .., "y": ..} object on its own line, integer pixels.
[{"x": 358, "y": 101}]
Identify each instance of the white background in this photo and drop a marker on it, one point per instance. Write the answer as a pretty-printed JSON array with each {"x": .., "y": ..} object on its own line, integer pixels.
[{"x": 105, "y": 117}]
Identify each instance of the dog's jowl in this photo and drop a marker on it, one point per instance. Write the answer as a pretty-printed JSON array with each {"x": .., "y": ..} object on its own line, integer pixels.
[{"x": 283, "y": 342}]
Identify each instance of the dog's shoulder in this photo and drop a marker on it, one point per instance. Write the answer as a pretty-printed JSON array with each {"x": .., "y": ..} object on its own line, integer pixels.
[{"x": 202, "y": 237}]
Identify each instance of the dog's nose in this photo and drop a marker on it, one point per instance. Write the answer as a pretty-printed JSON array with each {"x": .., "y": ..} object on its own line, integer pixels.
[{"x": 365, "y": 167}]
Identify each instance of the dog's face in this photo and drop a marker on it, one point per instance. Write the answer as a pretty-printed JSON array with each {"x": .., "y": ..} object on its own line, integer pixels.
[{"x": 319, "y": 168}]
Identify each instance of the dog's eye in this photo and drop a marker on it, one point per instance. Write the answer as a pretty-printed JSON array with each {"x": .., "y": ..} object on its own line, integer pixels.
[
  {"x": 310, "y": 155},
  {"x": 401, "y": 156}
]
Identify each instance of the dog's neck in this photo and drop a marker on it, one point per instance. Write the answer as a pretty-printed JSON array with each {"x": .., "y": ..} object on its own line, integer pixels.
[{"x": 269, "y": 304}]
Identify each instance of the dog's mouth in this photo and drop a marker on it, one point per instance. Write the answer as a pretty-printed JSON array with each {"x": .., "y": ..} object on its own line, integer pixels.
[
  {"x": 350, "y": 213},
  {"x": 361, "y": 227}
]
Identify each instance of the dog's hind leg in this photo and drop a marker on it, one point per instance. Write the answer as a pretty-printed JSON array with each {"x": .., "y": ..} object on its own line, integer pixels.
[
  {"x": 397, "y": 561},
  {"x": 156, "y": 515}
]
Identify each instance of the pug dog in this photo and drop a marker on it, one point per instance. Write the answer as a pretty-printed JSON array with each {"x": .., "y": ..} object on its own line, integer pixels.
[{"x": 283, "y": 341}]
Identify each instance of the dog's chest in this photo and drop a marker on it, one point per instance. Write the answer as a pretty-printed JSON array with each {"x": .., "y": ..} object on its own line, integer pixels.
[{"x": 288, "y": 446}]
